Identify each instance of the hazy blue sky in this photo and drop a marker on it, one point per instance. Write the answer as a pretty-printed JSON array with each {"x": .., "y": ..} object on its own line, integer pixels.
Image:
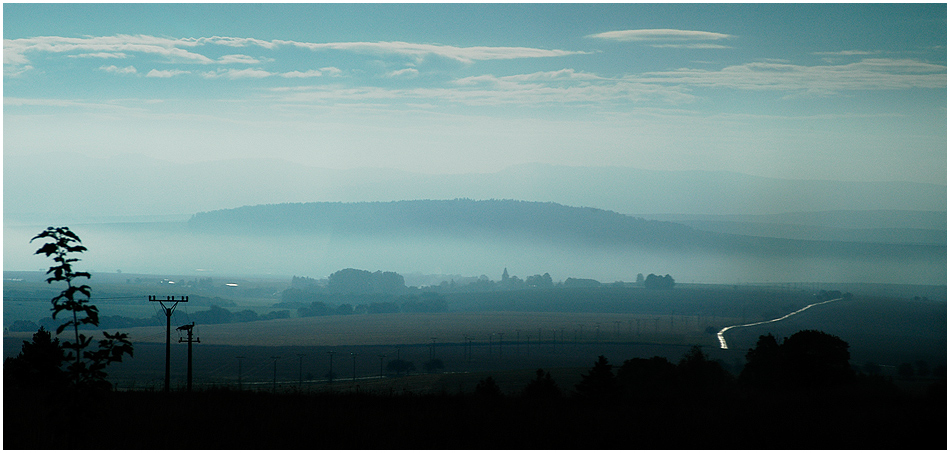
[{"x": 852, "y": 92}]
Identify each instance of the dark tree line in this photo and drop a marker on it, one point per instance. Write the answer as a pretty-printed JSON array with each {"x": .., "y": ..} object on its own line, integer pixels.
[{"x": 656, "y": 282}]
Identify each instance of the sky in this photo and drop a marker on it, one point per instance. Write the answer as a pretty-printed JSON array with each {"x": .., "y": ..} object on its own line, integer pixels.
[{"x": 809, "y": 91}]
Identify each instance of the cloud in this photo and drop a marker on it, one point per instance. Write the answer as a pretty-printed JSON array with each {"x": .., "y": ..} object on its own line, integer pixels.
[
  {"x": 659, "y": 35},
  {"x": 404, "y": 73},
  {"x": 237, "y": 74},
  {"x": 690, "y": 46},
  {"x": 238, "y": 59},
  {"x": 100, "y": 55},
  {"x": 332, "y": 72},
  {"x": 117, "y": 70},
  {"x": 16, "y": 52},
  {"x": 419, "y": 51},
  {"x": 531, "y": 90},
  {"x": 166, "y": 73},
  {"x": 868, "y": 74},
  {"x": 847, "y": 53},
  {"x": 304, "y": 74}
]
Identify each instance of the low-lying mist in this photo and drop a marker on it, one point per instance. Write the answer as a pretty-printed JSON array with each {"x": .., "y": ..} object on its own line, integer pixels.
[{"x": 174, "y": 249}]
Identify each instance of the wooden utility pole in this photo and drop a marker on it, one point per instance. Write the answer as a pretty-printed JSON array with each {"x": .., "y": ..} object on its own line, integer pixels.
[
  {"x": 239, "y": 372},
  {"x": 300, "y": 372},
  {"x": 168, "y": 330},
  {"x": 189, "y": 328},
  {"x": 275, "y": 372}
]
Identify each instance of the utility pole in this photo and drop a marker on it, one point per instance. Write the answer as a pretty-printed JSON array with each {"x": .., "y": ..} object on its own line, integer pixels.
[
  {"x": 168, "y": 330},
  {"x": 239, "y": 372},
  {"x": 381, "y": 357},
  {"x": 275, "y": 372},
  {"x": 501, "y": 337},
  {"x": 300, "y": 371},
  {"x": 189, "y": 328},
  {"x": 468, "y": 346},
  {"x": 353, "y": 354}
]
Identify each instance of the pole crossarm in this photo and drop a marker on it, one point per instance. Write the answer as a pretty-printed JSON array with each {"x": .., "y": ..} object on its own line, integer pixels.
[{"x": 168, "y": 330}]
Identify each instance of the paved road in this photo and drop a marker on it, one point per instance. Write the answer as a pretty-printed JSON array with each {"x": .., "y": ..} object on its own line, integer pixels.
[{"x": 722, "y": 338}]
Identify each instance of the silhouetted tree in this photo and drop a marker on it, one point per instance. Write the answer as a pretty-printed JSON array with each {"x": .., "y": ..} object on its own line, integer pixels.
[
  {"x": 656, "y": 282},
  {"x": 816, "y": 359},
  {"x": 38, "y": 365},
  {"x": 699, "y": 375},
  {"x": 647, "y": 378},
  {"x": 87, "y": 367},
  {"x": 809, "y": 359},
  {"x": 763, "y": 364},
  {"x": 487, "y": 389},
  {"x": 599, "y": 383},
  {"x": 400, "y": 366},
  {"x": 431, "y": 366},
  {"x": 542, "y": 387},
  {"x": 539, "y": 281}
]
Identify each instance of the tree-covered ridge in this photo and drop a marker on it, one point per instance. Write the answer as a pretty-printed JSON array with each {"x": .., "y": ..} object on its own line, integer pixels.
[{"x": 459, "y": 217}]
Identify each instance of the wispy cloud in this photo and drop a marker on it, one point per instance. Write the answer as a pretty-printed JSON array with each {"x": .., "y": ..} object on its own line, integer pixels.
[
  {"x": 842, "y": 53},
  {"x": 188, "y": 50},
  {"x": 302, "y": 74},
  {"x": 249, "y": 73},
  {"x": 404, "y": 73},
  {"x": 166, "y": 73},
  {"x": 419, "y": 51},
  {"x": 117, "y": 70},
  {"x": 527, "y": 90},
  {"x": 666, "y": 38},
  {"x": 100, "y": 55},
  {"x": 868, "y": 74}
]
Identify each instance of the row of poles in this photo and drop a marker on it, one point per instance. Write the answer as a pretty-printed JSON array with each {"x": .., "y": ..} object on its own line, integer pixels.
[{"x": 173, "y": 302}]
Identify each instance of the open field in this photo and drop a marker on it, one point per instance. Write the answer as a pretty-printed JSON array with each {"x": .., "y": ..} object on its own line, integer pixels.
[
  {"x": 574, "y": 326},
  {"x": 420, "y": 328}
]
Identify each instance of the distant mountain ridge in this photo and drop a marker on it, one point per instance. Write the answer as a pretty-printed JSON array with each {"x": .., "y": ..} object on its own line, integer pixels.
[
  {"x": 474, "y": 220},
  {"x": 132, "y": 185},
  {"x": 464, "y": 218}
]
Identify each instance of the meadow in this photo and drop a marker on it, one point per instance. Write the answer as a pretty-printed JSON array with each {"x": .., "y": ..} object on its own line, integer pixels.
[{"x": 494, "y": 331}]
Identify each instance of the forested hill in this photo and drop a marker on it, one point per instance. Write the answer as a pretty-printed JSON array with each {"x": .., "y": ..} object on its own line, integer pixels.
[
  {"x": 460, "y": 217},
  {"x": 478, "y": 221}
]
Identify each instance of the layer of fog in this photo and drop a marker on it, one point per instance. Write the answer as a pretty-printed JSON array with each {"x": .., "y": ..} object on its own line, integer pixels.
[{"x": 172, "y": 249}]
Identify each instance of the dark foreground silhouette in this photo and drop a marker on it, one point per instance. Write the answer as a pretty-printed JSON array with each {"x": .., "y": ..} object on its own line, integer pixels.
[{"x": 645, "y": 404}]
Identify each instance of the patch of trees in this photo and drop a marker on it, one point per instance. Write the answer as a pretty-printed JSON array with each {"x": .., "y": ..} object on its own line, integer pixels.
[
  {"x": 692, "y": 403},
  {"x": 376, "y": 304},
  {"x": 656, "y": 282},
  {"x": 356, "y": 281},
  {"x": 809, "y": 359},
  {"x": 571, "y": 282},
  {"x": 74, "y": 365}
]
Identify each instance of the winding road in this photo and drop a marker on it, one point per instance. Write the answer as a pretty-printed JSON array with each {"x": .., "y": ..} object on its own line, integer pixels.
[{"x": 722, "y": 338}]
